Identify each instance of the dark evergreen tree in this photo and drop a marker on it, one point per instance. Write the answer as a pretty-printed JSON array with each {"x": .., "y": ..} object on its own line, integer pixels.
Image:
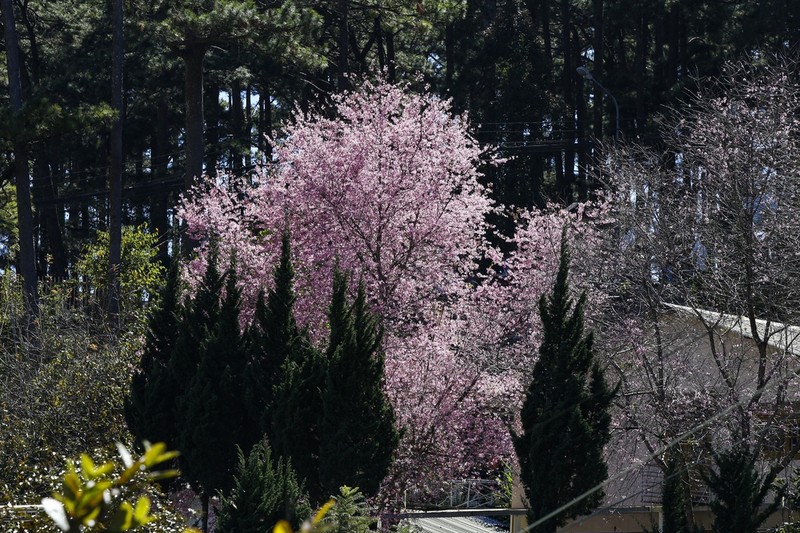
[
  {"x": 211, "y": 412},
  {"x": 198, "y": 318},
  {"x": 358, "y": 434},
  {"x": 673, "y": 500},
  {"x": 149, "y": 407},
  {"x": 297, "y": 415},
  {"x": 565, "y": 420},
  {"x": 263, "y": 493},
  {"x": 739, "y": 492},
  {"x": 272, "y": 337}
]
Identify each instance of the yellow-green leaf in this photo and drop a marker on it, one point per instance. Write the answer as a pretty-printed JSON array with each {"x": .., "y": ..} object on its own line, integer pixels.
[
  {"x": 323, "y": 511},
  {"x": 164, "y": 474},
  {"x": 142, "y": 510},
  {"x": 122, "y": 519},
  {"x": 282, "y": 527}
]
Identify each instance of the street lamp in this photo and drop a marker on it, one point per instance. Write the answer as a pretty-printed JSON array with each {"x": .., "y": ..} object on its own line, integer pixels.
[{"x": 586, "y": 73}]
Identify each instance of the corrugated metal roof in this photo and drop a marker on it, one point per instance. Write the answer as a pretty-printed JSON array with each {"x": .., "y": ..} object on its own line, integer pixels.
[{"x": 452, "y": 525}]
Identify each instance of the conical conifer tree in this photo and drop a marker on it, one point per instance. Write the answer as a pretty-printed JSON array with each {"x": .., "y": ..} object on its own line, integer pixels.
[
  {"x": 565, "y": 421},
  {"x": 296, "y": 416},
  {"x": 197, "y": 319},
  {"x": 264, "y": 492},
  {"x": 271, "y": 339},
  {"x": 673, "y": 503},
  {"x": 359, "y": 436},
  {"x": 149, "y": 407},
  {"x": 212, "y": 411},
  {"x": 741, "y": 502}
]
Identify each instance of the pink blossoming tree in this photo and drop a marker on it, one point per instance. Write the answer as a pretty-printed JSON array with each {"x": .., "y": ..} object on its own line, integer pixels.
[{"x": 389, "y": 188}]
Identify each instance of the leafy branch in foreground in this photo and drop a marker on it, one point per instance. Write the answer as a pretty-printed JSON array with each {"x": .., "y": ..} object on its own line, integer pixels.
[{"x": 96, "y": 497}]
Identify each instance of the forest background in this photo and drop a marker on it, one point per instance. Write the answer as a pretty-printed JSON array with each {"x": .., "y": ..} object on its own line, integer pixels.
[{"x": 208, "y": 85}]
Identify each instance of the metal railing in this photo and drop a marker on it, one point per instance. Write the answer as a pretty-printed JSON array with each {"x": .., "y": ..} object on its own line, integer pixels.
[{"x": 456, "y": 494}]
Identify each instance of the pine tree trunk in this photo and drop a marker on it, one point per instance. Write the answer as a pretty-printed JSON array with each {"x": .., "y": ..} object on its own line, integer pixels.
[
  {"x": 640, "y": 68},
  {"x": 599, "y": 66},
  {"x": 247, "y": 137},
  {"x": 193, "y": 59},
  {"x": 27, "y": 259},
  {"x": 237, "y": 127},
  {"x": 44, "y": 197},
  {"x": 115, "y": 178},
  {"x": 378, "y": 31},
  {"x": 390, "y": 57},
  {"x": 159, "y": 223},
  {"x": 204, "y": 502},
  {"x": 343, "y": 8},
  {"x": 265, "y": 121},
  {"x": 449, "y": 55},
  {"x": 213, "y": 111},
  {"x": 564, "y": 187}
]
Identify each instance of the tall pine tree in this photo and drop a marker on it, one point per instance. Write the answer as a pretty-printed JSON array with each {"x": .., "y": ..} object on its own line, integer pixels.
[
  {"x": 359, "y": 436},
  {"x": 565, "y": 420}
]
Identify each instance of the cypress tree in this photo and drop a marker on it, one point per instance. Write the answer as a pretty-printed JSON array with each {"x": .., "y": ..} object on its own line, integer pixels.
[
  {"x": 149, "y": 407},
  {"x": 358, "y": 424},
  {"x": 272, "y": 337},
  {"x": 740, "y": 492},
  {"x": 263, "y": 493},
  {"x": 197, "y": 320},
  {"x": 297, "y": 415},
  {"x": 211, "y": 412},
  {"x": 565, "y": 420},
  {"x": 673, "y": 502}
]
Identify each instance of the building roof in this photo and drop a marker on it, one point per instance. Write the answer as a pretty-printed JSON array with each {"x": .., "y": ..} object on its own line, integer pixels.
[
  {"x": 781, "y": 336},
  {"x": 453, "y": 525}
]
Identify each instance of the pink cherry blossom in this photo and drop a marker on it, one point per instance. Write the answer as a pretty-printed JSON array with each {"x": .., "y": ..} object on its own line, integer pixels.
[{"x": 390, "y": 188}]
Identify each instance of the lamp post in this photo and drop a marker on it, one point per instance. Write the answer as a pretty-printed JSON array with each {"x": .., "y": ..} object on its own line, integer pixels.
[{"x": 587, "y": 74}]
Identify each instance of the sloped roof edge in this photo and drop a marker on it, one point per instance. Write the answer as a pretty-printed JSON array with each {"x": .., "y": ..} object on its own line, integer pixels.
[{"x": 781, "y": 336}]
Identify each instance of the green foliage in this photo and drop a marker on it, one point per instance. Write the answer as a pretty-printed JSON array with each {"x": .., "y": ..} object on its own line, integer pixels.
[
  {"x": 211, "y": 412},
  {"x": 358, "y": 433},
  {"x": 97, "y": 498},
  {"x": 263, "y": 494},
  {"x": 673, "y": 502},
  {"x": 62, "y": 381},
  {"x": 505, "y": 481},
  {"x": 8, "y": 225},
  {"x": 272, "y": 339},
  {"x": 297, "y": 415},
  {"x": 787, "y": 528},
  {"x": 202, "y": 22},
  {"x": 315, "y": 524},
  {"x": 565, "y": 420},
  {"x": 739, "y": 492},
  {"x": 673, "y": 497},
  {"x": 140, "y": 275},
  {"x": 349, "y": 513},
  {"x": 149, "y": 407}
]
